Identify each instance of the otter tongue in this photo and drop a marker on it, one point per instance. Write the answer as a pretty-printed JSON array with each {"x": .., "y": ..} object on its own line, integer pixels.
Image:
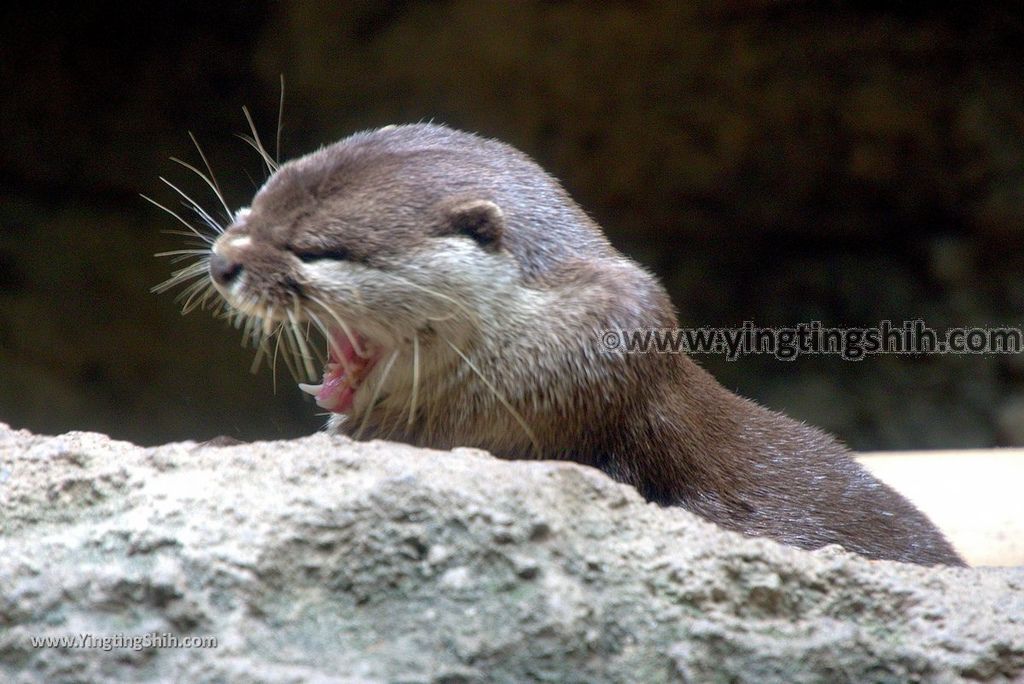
[{"x": 338, "y": 389}]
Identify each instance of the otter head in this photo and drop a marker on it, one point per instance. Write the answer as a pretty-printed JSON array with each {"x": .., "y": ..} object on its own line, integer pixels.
[
  {"x": 421, "y": 255},
  {"x": 360, "y": 241}
]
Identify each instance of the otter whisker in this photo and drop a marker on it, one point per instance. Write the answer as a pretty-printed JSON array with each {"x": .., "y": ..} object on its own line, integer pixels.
[
  {"x": 326, "y": 332},
  {"x": 193, "y": 230},
  {"x": 292, "y": 351},
  {"x": 280, "y": 124},
  {"x": 430, "y": 421},
  {"x": 250, "y": 305},
  {"x": 289, "y": 354},
  {"x": 193, "y": 269},
  {"x": 194, "y": 206},
  {"x": 268, "y": 321},
  {"x": 182, "y": 275},
  {"x": 273, "y": 358},
  {"x": 321, "y": 328},
  {"x": 341, "y": 324},
  {"x": 396, "y": 425},
  {"x": 504, "y": 402},
  {"x": 206, "y": 179},
  {"x": 182, "y": 253},
  {"x": 196, "y": 269},
  {"x": 295, "y": 317},
  {"x": 257, "y": 144},
  {"x": 196, "y": 295},
  {"x": 302, "y": 348},
  {"x": 264, "y": 351},
  {"x": 309, "y": 338},
  {"x": 202, "y": 298},
  {"x": 260, "y": 340},
  {"x": 261, "y": 351},
  {"x": 469, "y": 314},
  {"x": 189, "y": 234},
  {"x": 386, "y": 422},
  {"x": 281, "y": 335},
  {"x": 247, "y": 332},
  {"x": 267, "y": 160},
  {"x": 212, "y": 180},
  {"x": 415, "y": 379},
  {"x": 190, "y": 291},
  {"x": 250, "y": 327},
  {"x": 193, "y": 255},
  {"x": 439, "y": 319},
  {"x": 376, "y": 393}
]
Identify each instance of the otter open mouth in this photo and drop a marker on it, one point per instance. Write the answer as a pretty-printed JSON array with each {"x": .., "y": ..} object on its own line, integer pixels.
[{"x": 346, "y": 369}]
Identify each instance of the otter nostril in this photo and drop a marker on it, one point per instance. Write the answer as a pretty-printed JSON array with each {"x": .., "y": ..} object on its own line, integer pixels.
[{"x": 223, "y": 270}]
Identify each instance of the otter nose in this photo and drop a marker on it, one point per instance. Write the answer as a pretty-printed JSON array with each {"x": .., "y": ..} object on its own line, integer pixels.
[{"x": 223, "y": 270}]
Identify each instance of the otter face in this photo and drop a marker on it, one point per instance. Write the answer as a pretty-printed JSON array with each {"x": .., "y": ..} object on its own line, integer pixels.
[
  {"x": 356, "y": 245},
  {"x": 376, "y": 290},
  {"x": 407, "y": 263}
]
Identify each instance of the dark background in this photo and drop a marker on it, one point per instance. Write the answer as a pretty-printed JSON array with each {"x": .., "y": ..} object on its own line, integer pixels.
[{"x": 779, "y": 162}]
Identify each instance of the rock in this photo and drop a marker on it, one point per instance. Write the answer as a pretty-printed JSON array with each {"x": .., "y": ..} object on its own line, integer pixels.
[{"x": 326, "y": 560}]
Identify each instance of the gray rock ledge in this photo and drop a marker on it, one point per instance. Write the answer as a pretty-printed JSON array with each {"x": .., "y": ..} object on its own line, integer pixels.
[{"x": 327, "y": 560}]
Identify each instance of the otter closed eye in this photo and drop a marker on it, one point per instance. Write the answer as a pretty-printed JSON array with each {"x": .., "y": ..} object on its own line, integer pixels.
[
  {"x": 313, "y": 255},
  {"x": 492, "y": 341}
]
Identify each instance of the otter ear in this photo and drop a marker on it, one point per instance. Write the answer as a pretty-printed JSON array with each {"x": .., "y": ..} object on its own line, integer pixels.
[{"x": 480, "y": 219}]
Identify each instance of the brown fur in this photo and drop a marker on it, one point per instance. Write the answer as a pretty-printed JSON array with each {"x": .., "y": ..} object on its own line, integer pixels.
[{"x": 379, "y": 201}]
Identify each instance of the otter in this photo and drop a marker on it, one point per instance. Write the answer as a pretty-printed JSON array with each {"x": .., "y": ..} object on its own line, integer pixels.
[{"x": 461, "y": 294}]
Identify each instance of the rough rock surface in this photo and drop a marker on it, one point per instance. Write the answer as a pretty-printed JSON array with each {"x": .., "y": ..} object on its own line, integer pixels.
[{"x": 326, "y": 560}]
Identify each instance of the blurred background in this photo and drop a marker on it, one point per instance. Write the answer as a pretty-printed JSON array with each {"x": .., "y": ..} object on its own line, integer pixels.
[{"x": 777, "y": 162}]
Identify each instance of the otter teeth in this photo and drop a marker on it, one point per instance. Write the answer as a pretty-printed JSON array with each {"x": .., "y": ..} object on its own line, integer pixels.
[{"x": 344, "y": 372}]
